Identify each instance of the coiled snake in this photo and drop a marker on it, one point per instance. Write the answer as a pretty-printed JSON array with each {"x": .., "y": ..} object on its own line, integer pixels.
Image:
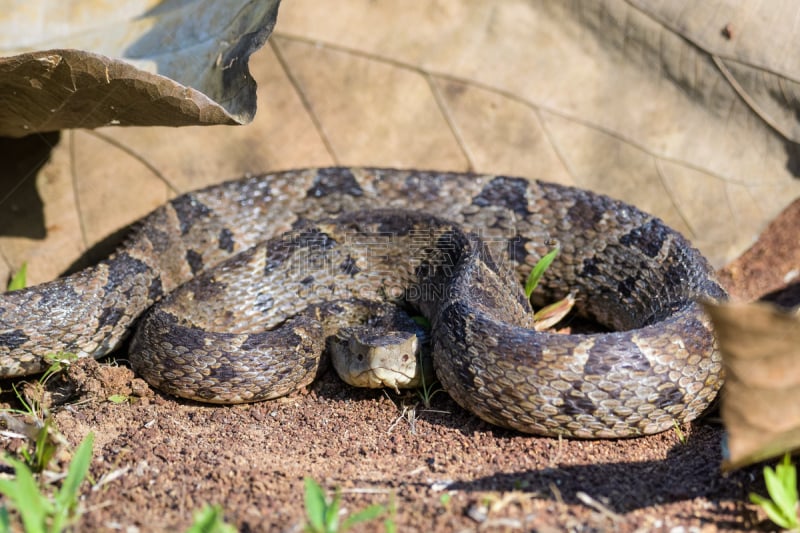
[{"x": 452, "y": 246}]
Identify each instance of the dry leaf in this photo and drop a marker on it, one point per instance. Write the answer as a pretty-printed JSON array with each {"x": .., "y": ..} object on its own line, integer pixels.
[
  {"x": 78, "y": 64},
  {"x": 761, "y": 400}
]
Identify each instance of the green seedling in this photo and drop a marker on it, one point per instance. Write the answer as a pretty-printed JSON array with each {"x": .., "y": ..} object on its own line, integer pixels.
[
  {"x": 323, "y": 514},
  {"x": 39, "y": 512},
  {"x": 210, "y": 519},
  {"x": 782, "y": 489},
  {"x": 19, "y": 280},
  {"x": 119, "y": 398},
  {"x": 428, "y": 390},
  {"x": 679, "y": 432},
  {"x": 38, "y": 431},
  {"x": 538, "y": 270},
  {"x": 445, "y": 498},
  {"x": 59, "y": 361},
  {"x": 549, "y": 315},
  {"x": 44, "y": 448},
  {"x": 36, "y": 423},
  {"x": 389, "y": 523}
]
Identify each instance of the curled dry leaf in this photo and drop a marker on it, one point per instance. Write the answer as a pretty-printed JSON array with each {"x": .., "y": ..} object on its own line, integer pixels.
[
  {"x": 77, "y": 64},
  {"x": 760, "y": 347}
]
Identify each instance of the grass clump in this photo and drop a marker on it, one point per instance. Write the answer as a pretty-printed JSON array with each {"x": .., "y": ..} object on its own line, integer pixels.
[
  {"x": 19, "y": 280},
  {"x": 323, "y": 513},
  {"x": 210, "y": 519},
  {"x": 782, "y": 488},
  {"x": 38, "y": 511}
]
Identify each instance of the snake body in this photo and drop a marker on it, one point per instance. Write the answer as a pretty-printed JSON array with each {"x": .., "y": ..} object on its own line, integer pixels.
[{"x": 259, "y": 321}]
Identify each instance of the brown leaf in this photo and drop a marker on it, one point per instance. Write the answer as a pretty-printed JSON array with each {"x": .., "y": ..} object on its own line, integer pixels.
[
  {"x": 550, "y": 315},
  {"x": 761, "y": 400},
  {"x": 173, "y": 64}
]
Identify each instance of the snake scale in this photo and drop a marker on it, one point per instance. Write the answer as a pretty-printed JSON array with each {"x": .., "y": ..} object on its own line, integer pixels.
[{"x": 301, "y": 253}]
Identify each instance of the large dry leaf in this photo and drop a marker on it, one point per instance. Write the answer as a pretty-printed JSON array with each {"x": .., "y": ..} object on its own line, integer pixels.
[
  {"x": 761, "y": 403},
  {"x": 78, "y": 64},
  {"x": 685, "y": 109}
]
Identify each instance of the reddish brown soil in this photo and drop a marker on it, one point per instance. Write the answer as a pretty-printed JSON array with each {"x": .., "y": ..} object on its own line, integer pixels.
[{"x": 440, "y": 468}]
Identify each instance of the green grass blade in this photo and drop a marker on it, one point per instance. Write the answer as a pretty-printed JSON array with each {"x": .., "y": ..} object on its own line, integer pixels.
[
  {"x": 538, "y": 270},
  {"x": 67, "y": 497},
  {"x": 210, "y": 519},
  {"x": 316, "y": 506},
  {"x": 332, "y": 513},
  {"x": 365, "y": 515},
  {"x": 787, "y": 473},
  {"x": 19, "y": 280},
  {"x": 44, "y": 448},
  {"x": 5, "y": 520},
  {"x": 32, "y": 506},
  {"x": 773, "y": 512},
  {"x": 78, "y": 468},
  {"x": 777, "y": 492}
]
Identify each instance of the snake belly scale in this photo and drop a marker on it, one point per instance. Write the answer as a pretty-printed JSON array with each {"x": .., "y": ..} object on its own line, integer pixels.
[{"x": 230, "y": 317}]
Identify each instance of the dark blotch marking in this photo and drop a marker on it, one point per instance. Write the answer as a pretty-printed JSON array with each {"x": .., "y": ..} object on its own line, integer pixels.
[
  {"x": 189, "y": 210},
  {"x": 158, "y": 239},
  {"x": 504, "y": 192},
  {"x": 586, "y": 213},
  {"x": 195, "y": 261},
  {"x": 206, "y": 290},
  {"x": 13, "y": 339},
  {"x": 452, "y": 245},
  {"x": 222, "y": 372},
  {"x": 648, "y": 238},
  {"x": 710, "y": 288},
  {"x": 156, "y": 289},
  {"x": 669, "y": 397},
  {"x": 576, "y": 403},
  {"x": 205, "y": 393},
  {"x": 610, "y": 353},
  {"x": 255, "y": 342},
  {"x": 516, "y": 249},
  {"x": 396, "y": 224},
  {"x": 617, "y": 352},
  {"x": 226, "y": 241},
  {"x": 335, "y": 180},
  {"x": 348, "y": 266},
  {"x": 452, "y": 318},
  {"x": 109, "y": 316},
  {"x": 264, "y": 302},
  {"x": 58, "y": 295},
  {"x": 626, "y": 286},
  {"x": 307, "y": 280},
  {"x": 590, "y": 267},
  {"x": 189, "y": 337},
  {"x": 311, "y": 238},
  {"x": 676, "y": 275},
  {"x": 122, "y": 269},
  {"x": 697, "y": 338}
]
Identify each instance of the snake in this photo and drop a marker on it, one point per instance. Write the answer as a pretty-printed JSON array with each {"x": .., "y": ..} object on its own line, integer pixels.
[{"x": 235, "y": 290}]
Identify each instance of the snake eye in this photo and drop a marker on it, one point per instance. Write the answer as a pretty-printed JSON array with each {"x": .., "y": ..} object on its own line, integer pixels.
[
  {"x": 405, "y": 357},
  {"x": 360, "y": 357}
]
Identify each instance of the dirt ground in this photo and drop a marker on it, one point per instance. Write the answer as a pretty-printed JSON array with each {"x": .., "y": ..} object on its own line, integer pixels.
[{"x": 157, "y": 459}]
